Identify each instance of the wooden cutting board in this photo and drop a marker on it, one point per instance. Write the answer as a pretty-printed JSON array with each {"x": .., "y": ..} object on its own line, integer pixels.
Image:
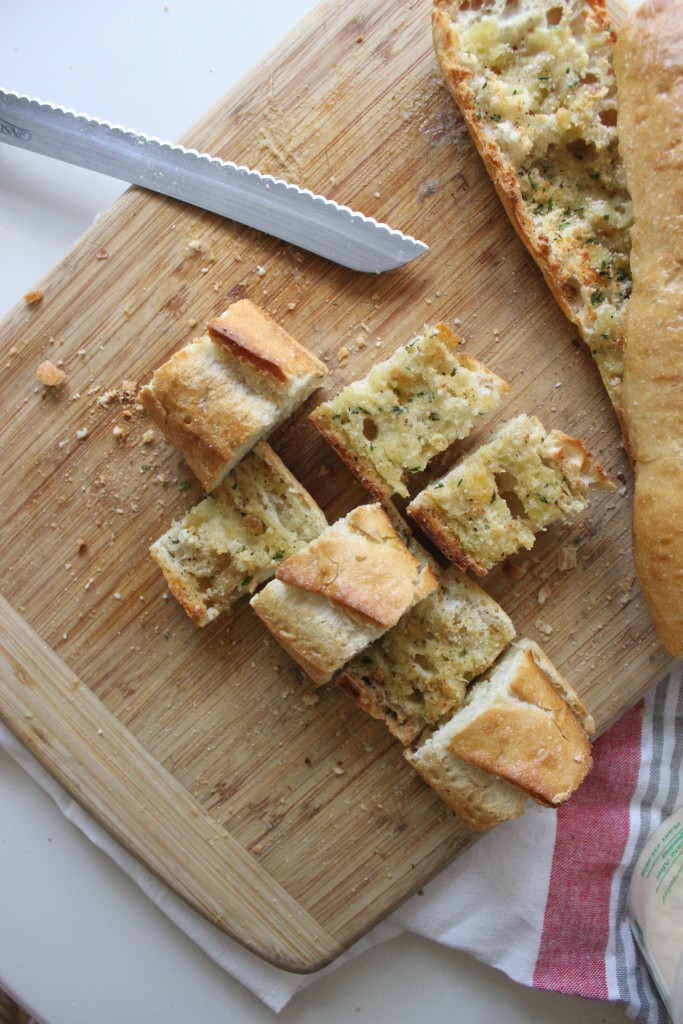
[{"x": 285, "y": 816}]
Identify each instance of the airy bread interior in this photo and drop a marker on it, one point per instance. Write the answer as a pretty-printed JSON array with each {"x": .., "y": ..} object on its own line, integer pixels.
[
  {"x": 417, "y": 673},
  {"x": 495, "y": 499},
  {"x": 235, "y": 539},
  {"x": 408, "y": 409}
]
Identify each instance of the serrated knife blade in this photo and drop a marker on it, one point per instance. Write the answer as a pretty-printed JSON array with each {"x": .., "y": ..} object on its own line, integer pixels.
[{"x": 260, "y": 201}]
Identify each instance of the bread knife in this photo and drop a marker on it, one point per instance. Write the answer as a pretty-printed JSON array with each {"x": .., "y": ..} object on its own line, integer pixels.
[{"x": 260, "y": 201}]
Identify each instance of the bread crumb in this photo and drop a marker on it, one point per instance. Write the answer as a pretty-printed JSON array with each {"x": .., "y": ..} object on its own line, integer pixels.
[
  {"x": 626, "y": 588},
  {"x": 257, "y": 848},
  {"x": 126, "y": 393},
  {"x": 338, "y": 770},
  {"x": 82, "y": 433},
  {"x": 148, "y": 437},
  {"x": 81, "y": 544},
  {"x": 309, "y": 699},
  {"x": 102, "y": 254},
  {"x": 343, "y": 354},
  {"x": 31, "y": 298},
  {"x": 542, "y": 595},
  {"x": 324, "y": 470},
  {"x": 567, "y": 558},
  {"x": 543, "y": 627},
  {"x": 50, "y": 375}
]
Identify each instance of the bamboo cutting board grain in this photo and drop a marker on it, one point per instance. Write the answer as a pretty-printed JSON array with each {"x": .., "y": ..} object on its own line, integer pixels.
[{"x": 283, "y": 815}]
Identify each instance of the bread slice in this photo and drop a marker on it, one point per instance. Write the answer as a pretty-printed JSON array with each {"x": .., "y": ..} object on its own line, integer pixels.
[
  {"x": 408, "y": 409},
  {"x": 649, "y": 67},
  {"x": 223, "y": 392},
  {"x": 535, "y": 84},
  {"x": 496, "y": 498},
  {"x": 235, "y": 539},
  {"x": 523, "y": 725},
  {"x": 481, "y": 799},
  {"x": 417, "y": 674},
  {"x": 342, "y": 591}
]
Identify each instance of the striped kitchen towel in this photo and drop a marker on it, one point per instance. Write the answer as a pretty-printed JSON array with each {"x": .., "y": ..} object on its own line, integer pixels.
[
  {"x": 543, "y": 898},
  {"x": 558, "y": 880}
]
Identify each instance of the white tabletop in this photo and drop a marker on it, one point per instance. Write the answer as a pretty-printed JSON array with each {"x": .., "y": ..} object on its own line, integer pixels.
[{"x": 78, "y": 941}]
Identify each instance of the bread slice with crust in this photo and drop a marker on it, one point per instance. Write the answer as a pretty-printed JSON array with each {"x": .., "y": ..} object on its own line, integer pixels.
[
  {"x": 221, "y": 393},
  {"x": 408, "y": 409},
  {"x": 495, "y": 499},
  {"x": 234, "y": 540},
  {"x": 481, "y": 799},
  {"x": 342, "y": 591},
  {"x": 649, "y": 68},
  {"x": 534, "y": 82},
  {"x": 416, "y": 675},
  {"x": 522, "y": 725}
]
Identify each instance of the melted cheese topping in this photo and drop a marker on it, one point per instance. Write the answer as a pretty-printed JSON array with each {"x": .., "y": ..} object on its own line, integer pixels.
[{"x": 545, "y": 92}]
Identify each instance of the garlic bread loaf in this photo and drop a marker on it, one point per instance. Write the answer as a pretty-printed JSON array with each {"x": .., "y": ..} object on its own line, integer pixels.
[
  {"x": 342, "y": 591},
  {"x": 234, "y": 539},
  {"x": 408, "y": 409},
  {"x": 496, "y": 498},
  {"x": 417, "y": 674},
  {"x": 535, "y": 84},
  {"x": 649, "y": 66},
  {"x": 523, "y": 725},
  {"x": 220, "y": 394}
]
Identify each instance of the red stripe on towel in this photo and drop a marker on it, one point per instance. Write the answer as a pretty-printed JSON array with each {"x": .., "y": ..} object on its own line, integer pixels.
[{"x": 592, "y": 830}]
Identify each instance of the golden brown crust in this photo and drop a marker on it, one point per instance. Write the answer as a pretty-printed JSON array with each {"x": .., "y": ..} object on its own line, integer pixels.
[
  {"x": 250, "y": 334},
  {"x": 432, "y": 526},
  {"x": 177, "y": 586},
  {"x": 658, "y": 546},
  {"x": 201, "y": 429},
  {"x": 221, "y": 393},
  {"x": 535, "y": 742},
  {"x": 361, "y": 470},
  {"x": 366, "y": 699},
  {"x": 365, "y": 567},
  {"x": 649, "y": 67}
]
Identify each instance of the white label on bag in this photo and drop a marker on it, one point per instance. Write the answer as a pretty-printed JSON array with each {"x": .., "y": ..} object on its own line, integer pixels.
[{"x": 657, "y": 903}]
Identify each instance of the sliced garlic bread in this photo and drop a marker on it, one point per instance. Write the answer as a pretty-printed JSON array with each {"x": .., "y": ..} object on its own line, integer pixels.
[{"x": 535, "y": 84}]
